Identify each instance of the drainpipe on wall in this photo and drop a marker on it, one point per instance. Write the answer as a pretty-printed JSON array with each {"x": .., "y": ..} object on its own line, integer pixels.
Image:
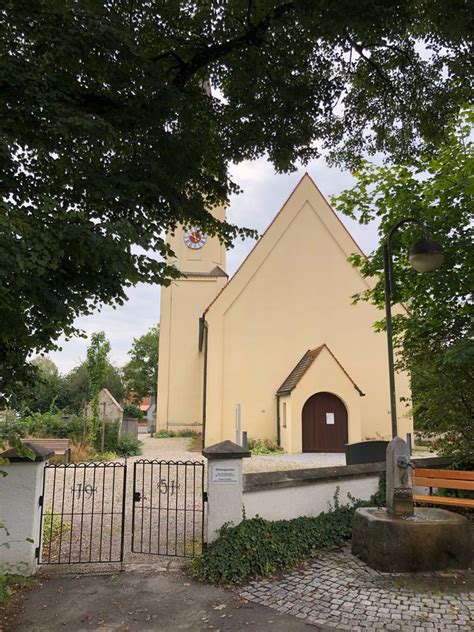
[
  {"x": 203, "y": 335},
  {"x": 278, "y": 421}
]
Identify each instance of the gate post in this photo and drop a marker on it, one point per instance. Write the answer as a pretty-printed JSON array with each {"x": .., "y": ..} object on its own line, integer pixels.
[
  {"x": 20, "y": 493},
  {"x": 224, "y": 485}
]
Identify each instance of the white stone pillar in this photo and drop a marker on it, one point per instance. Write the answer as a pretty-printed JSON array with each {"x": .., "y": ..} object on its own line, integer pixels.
[
  {"x": 20, "y": 512},
  {"x": 224, "y": 486}
]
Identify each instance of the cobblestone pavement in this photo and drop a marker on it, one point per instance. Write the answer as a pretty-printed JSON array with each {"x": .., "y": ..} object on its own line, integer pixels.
[{"x": 338, "y": 591}]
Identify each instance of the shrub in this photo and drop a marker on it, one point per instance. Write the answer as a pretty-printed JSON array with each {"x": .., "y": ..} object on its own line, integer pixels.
[
  {"x": 54, "y": 424},
  {"x": 111, "y": 437},
  {"x": 264, "y": 447},
  {"x": 164, "y": 434},
  {"x": 259, "y": 547},
  {"x": 128, "y": 445},
  {"x": 80, "y": 451},
  {"x": 104, "y": 456},
  {"x": 133, "y": 411},
  {"x": 167, "y": 434},
  {"x": 11, "y": 424},
  {"x": 50, "y": 424}
]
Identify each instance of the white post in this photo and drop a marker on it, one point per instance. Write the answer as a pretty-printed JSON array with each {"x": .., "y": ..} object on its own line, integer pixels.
[
  {"x": 237, "y": 424},
  {"x": 224, "y": 486},
  {"x": 20, "y": 491}
]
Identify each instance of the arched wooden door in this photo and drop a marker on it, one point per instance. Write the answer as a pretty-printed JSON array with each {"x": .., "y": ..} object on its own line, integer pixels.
[{"x": 324, "y": 420}]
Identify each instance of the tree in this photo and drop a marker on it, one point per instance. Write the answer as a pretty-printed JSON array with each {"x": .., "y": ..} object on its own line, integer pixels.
[
  {"x": 42, "y": 392},
  {"x": 435, "y": 339},
  {"x": 141, "y": 372},
  {"x": 96, "y": 364},
  {"x": 75, "y": 393},
  {"x": 109, "y": 138}
]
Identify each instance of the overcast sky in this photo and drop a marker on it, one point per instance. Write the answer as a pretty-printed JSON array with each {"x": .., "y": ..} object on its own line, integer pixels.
[{"x": 264, "y": 193}]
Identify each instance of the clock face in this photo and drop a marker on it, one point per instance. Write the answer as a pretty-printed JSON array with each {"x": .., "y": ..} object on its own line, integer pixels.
[{"x": 194, "y": 238}]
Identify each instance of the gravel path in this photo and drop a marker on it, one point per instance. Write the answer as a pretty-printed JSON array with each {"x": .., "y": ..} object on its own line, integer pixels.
[
  {"x": 177, "y": 449},
  {"x": 84, "y": 505}
]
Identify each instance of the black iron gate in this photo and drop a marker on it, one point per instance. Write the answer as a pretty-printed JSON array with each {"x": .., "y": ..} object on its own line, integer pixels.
[
  {"x": 168, "y": 507},
  {"x": 82, "y": 513}
]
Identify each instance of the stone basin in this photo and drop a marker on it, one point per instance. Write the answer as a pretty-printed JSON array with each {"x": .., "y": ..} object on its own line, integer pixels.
[{"x": 432, "y": 539}]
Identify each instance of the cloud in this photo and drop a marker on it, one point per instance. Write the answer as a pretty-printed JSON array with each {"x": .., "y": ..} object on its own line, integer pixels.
[{"x": 264, "y": 193}]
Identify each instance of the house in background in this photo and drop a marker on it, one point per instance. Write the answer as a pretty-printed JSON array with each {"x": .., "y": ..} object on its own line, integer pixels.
[
  {"x": 151, "y": 413},
  {"x": 109, "y": 408},
  {"x": 148, "y": 407},
  {"x": 282, "y": 338}
]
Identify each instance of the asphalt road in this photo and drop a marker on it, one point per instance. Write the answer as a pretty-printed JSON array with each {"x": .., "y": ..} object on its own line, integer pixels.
[{"x": 166, "y": 601}]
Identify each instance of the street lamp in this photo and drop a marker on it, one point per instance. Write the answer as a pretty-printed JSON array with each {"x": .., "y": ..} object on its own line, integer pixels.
[{"x": 425, "y": 256}]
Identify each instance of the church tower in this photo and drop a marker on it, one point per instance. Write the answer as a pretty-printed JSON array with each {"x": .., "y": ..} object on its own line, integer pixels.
[{"x": 180, "y": 373}]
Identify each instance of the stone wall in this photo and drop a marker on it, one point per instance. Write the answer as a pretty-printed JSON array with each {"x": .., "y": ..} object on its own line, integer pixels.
[{"x": 287, "y": 494}]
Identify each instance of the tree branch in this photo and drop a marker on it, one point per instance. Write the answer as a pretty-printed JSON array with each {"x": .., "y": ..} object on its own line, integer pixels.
[
  {"x": 360, "y": 50},
  {"x": 254, "y": 36}
]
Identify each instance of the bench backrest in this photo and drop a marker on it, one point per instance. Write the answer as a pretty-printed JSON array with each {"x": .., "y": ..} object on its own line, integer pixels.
[
  {"x": 49, "y": 443},
  {"x": 449, "y": 479}
]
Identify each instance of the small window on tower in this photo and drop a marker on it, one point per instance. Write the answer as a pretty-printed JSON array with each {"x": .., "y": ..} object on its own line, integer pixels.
[{"x": 284, "y": 414}]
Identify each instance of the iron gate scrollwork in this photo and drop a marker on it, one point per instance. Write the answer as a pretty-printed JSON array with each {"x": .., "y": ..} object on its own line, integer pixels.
[
  {"x": 168, "y": 507},
  {"x": 82, "y": 513}
]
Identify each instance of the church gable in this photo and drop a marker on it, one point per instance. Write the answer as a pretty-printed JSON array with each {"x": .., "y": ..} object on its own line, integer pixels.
[{"x": 305, "y": 200}]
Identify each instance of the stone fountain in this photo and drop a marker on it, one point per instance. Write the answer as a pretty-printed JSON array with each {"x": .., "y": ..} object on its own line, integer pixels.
[{"x": 402, "y": 538}]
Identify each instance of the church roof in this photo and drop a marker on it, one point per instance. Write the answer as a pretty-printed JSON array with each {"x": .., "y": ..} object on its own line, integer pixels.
[
  {"x": 215, "y": 272},
  {"x": 303, "y": 365}
]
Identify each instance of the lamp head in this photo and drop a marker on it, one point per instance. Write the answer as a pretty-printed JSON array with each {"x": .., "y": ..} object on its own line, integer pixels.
[{"x": 426, "y": 256}]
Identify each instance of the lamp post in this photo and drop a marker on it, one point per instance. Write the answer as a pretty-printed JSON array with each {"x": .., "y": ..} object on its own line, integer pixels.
[{"x": 425, "y": 256}]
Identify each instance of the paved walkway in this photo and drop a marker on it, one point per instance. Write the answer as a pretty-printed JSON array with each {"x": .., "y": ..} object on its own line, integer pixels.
[{"x": 338, "y": 591}]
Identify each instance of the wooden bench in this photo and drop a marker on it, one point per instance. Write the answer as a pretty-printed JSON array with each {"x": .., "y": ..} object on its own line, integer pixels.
[
  {"x": 443, "y": 479},
  {"x": 58, "y": 446}
]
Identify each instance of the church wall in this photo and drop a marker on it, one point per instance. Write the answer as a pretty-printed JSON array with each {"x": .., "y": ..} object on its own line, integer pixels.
[
  {"x": 294, "y": 294},
  {"x": 214, "y": 427}
]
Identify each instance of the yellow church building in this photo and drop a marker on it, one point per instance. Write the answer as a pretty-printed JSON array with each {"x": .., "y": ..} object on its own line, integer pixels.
[{"x": 281, "y": 339}]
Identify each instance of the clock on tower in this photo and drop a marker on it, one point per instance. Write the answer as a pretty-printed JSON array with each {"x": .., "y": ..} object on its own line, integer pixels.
[
  {"x": 194, "y": 238},
  {"x": 195, "y": 252}
]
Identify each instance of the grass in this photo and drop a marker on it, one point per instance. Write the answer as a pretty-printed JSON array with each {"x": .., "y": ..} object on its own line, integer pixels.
[
  {"x": 10, "y": 584},
  {"x": 52, "y": 527},
  {"x": 193, "y": 548},
  {"x": 195, "y": 444},
  {"x": 80, "y": 451}
]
